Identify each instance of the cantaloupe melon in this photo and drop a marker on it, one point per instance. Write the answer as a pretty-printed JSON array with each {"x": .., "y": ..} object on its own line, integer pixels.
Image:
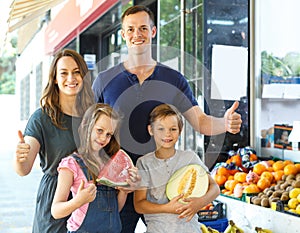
[{"x": 191, "y": 181}]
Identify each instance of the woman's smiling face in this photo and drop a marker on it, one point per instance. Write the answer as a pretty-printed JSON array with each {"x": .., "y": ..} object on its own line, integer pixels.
[{"x": 68, "y": 77}]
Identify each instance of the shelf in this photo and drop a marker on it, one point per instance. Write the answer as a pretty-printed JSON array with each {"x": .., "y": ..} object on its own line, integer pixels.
[
  {"x": 281, "y": 91},
  {"x": 281, "y": 154},
  {"x": 248, "y": 216}
]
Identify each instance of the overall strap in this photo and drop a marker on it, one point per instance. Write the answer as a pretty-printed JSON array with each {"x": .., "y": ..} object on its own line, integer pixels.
[{"x": 83, "y": 167}]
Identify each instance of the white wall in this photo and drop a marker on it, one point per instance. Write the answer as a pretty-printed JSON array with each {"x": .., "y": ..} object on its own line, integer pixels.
[
  {"x": 279, "y": 34},
  {"x": 279, "y": 26},
  {"x": 26, "y": 64}
]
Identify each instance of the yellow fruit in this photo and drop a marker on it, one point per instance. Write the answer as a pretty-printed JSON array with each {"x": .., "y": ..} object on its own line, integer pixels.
[
  {"x": 298, "y": 209},
  {"x": 292, "y": 211},
  {"x": 298, "y": 198},
  {"x": 294, "y": 192},
  {"x": 292, "y": 203}
]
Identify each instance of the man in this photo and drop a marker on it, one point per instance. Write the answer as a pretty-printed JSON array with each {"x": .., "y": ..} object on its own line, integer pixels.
[{"x": 139, "y": 84}]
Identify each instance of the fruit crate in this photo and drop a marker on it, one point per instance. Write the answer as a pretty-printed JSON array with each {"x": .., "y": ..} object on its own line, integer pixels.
[
  {"x": 280, "y": 207},
  {"x": 219, "y": 224},
  {"x": 217, "y": 212},
  {"x": 232, "y": 197}
]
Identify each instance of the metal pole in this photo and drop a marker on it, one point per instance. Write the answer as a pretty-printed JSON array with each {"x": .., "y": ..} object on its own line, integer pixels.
[
  {"x": 182, "y": 56},
  {"x": 158, "y": 31},
  {"x": 182, "y": 36}
]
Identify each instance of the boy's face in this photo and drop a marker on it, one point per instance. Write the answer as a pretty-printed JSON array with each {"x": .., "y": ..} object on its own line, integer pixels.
[
  {"x": 165, "y": 132},
  {"x": 138, "y": 30}
]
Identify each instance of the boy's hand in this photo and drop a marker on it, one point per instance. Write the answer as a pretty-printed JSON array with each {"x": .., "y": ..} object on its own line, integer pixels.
[
  {"x": 175, "y": 205},
  {"x": 189, "y": 210}
]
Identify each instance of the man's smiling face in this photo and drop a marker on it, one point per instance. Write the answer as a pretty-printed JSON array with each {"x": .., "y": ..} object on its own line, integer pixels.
[{"x": 138, "y": 31}]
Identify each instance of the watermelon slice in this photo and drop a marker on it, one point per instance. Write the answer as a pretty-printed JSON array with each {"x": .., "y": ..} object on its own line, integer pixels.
[{"x": 115, "y": 171}]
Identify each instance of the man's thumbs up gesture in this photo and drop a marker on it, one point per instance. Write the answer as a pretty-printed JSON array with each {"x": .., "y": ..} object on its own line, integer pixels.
[
  {"x": 23, "y": 149},
  {"x": 233, "y": 120}
]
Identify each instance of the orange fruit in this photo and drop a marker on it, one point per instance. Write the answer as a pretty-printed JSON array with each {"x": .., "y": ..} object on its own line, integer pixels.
[
  {"x": 253, "y": 157},
  {"x": 251, "y": 188},
  {"x": 230, "y": 184},
  {"x": 230, "y": 177},
  {"x": 226, "y": 192},
  {"x": 220, "y": 179},
  {"x": 278, "y": 165},
  {"x": 286, "y": 162},
  {"x": 271, "y": 162},
  {"x": 237, "y": 159},
  {"x": 298, "y": 166},
  {"x": 290, "y": 169},
  {"x": 259, "y": 168},
  {"x": 240, "y": 177},
  {"x": 263, "y": 183},
  {"x": 278, "y": 175},
  {"x": 228, "y": 161},
  {"x": 222, "y": 171},
  {"x": 268, "y": 175}
]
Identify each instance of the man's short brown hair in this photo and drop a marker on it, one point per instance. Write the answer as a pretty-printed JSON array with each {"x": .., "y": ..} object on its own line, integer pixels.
[{"x": 138, "y": 8}]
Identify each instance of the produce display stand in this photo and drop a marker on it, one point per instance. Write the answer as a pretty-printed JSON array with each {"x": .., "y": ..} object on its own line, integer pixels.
[
  {"x": 248, "y": 216},
  {"x": 215, "y": 217}
]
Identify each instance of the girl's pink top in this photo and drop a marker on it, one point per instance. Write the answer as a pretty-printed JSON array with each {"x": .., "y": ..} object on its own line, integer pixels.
[{"x": 77, "y": 217}]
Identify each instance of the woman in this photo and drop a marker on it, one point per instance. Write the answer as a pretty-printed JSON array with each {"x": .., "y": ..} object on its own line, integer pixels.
[{"x": 52, "y": 129}]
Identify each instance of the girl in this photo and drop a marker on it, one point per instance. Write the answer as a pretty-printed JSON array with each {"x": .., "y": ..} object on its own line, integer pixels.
[
  {"x": 93, "y": 208},
  {"x": 157, "y": 167},
  {"x": 51, "y": 129}
]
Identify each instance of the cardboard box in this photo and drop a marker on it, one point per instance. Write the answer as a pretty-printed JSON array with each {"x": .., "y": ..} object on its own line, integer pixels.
[{"x": 281, "y": 134}]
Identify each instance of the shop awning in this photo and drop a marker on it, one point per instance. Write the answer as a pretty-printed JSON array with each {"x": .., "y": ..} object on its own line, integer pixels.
[
  {"x": 72, "y": 20},
  {"x": 23, "y": 11}
]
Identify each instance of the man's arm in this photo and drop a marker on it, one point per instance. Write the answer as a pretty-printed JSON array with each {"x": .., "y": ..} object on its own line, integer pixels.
[{"x": 209, "y": 125}]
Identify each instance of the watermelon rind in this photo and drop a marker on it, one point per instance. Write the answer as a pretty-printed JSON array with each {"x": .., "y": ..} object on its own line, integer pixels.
[
  {"x": 110, "y": 166},
  {"x": 201, "y": 185},
  {"x": 107, "y": 182}
]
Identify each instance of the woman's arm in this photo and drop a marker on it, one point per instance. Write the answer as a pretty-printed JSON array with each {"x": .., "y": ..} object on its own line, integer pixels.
[
  {"x": 26, "y": 152},
  {"x": 61, "y": 207}
]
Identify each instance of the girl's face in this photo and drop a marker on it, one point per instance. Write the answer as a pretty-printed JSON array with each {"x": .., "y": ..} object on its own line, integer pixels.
[
  {"x": 68, "y": 76},
  {"x": 102, "y": 132},
  {"x": 165, "y": 132}
]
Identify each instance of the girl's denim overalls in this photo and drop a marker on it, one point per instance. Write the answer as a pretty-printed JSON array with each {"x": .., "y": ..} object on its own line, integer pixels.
[{"x": 103, "y": 214}]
